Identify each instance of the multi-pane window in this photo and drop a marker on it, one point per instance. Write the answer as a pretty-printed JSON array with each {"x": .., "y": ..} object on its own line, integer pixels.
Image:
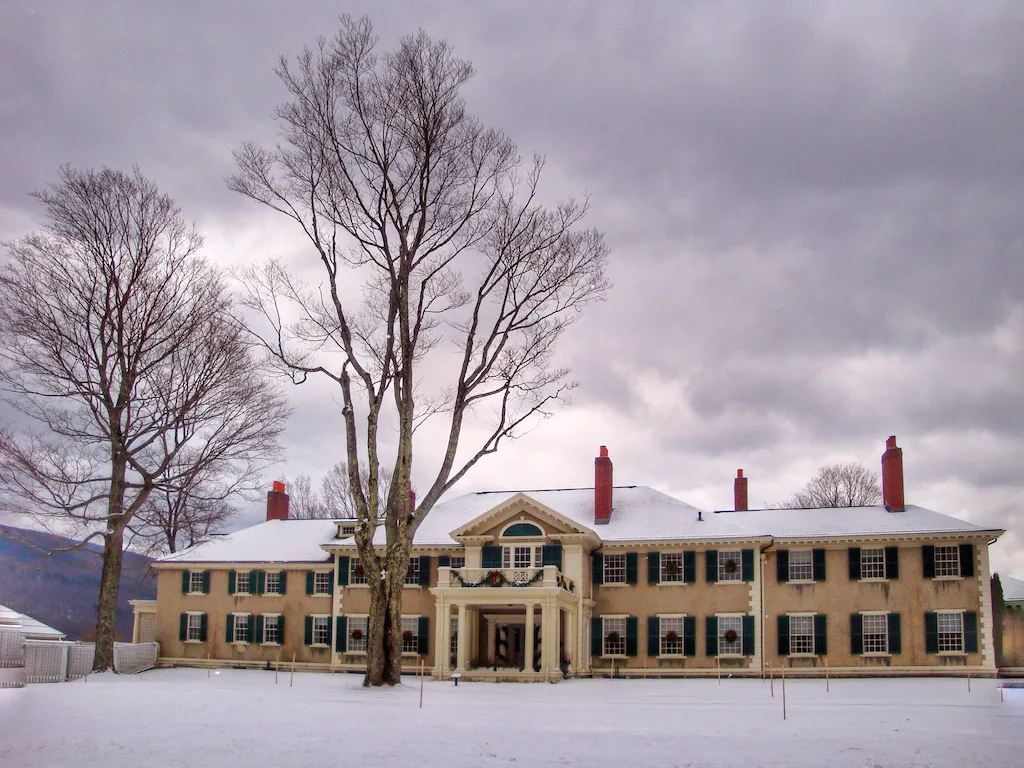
[
  {"x": 672, "y": 567},
  {"x": 321, "y": 630},
  {"x": 410, "y": 629},
  {"x": 242, "y": 583},
  {"x": 195, "y": 582},
  {"x": 872, "y": 563},
  {"x": 951, "y": 631},
  {"x": 453, "y": 635},
  {"x": 195, "y": 627},
  {"x": 614, "y": 630},
  {"x": 271, "y": 628},
  {"x": 322, "y": 583},
  {"x": 671, "y": 635},
  {"x": 458, "y": 561},
  {"x": 241, "y": 633},
  {"x": 412, "y": 573},
  {"x": 875, "y": 629},
  {"x": 800, "y": 566},
  {"x": 801, "y": 634},
  {"x": 729, "y": 566},
  {"x": 358, "y": 626},
  {"x": 615, "y": 569},
  {"x": 356, "y": 572},
  {"x": 273, "y": 583},
  {"x": 522, "y": 557},
  {"x": 730, "y": 635},
  {"x": 947, "y": 561}
]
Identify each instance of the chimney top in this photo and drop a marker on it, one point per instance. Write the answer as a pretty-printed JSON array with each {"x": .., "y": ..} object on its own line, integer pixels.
[
  {"x": 602, "y": 487},
  {"x": 739, "y": 473},
  {"x": 739, "y": 492},
  {"x": 892, "y": 476},
  {"x": 891, "y": 442},
  {"x": 279, "y": 486},
  {"x": 277, "y": 502},
  {"x": 604, "y": 450}
]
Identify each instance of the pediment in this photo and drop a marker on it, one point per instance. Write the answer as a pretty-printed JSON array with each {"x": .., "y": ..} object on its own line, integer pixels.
[{"x": 520, "y": 508}]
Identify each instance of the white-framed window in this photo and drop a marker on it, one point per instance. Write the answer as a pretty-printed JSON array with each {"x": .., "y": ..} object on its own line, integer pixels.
[
  {"x": 875, "y": 632},
  {"x": 947, "y": 560},
  {"x": 872, "y": 563},
  {"x": 453, "y": 635},
  {"x": 801, "y": 567},
  {"x": 194, "y": 627},
  {"x": 613, "y": 629},
  {"x": 272, "y": 585},
  {"x": 730, "y": 565},
  {"x": 241, "y": 632},
  {"x": 522, "y": 556},
  {"x": 730, "y": 635},
  {"x": 356, "y": 572},
  {"x": 195, "y": 582},
  {"x": 615, "y": 571},
  {"x": 801, "y": 635},
  {"x": 321, "y": 630},
  {"x": 671, "y": 635},
  {"x": 671, "y": 567},
  {"x": 271, "y": 628},
  {"x": 322, "y": 582},
  {"x": 458, "y": 561},
  {"x": 410, "y": 634},
  {"x": 358, "y": 627},
  {"x": 241, "y": 582},
  {"x": 412, "y": 573},
  {"x": 951, "y": 631}
]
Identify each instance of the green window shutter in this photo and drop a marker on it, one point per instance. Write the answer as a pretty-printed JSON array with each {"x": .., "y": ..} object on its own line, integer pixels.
[
  {"x": 206, "y": 582},
  {"x": 250, "y": 633},
  {"x": 818, "y": 564},
  {"x": 280, "y": 628},
  {"x": 490, "y": 557},
  {"x": 423, "y": 636},
  {"x": 330, "y": 633},
  {"x": 821, "y": 634},
  {"x": 747, "y": 560},
  {"x": 966, "y": 560},
  {"x": 596, "y": 637},
  {"x": 857, "y": 634},
  {"x": 597, "y": 568},
  {"x": 424, "y": 571},
  {"x": 232, "y": 582},
  {"x": 230, "y": 632},
  {"x": 185, "y": 579},
  {"x": 341, "y": 634},
  {"x": 711, "y": 571},
  {"x": 928, "y": 558},
  {"x": 631, "y": 633},
  {"x": 343, "y": 571},
  {"x": 653, "y": 567},
  {"x": 444, "y": 561},
  {"x": 551, "y": 554},
  {"x": 330, "y": 586},
  {"x": 689, "y": 636},
  {"x": 782, "y": 566},
  {"x": 183, "y": 626},
  {"x": 895, "y": 640},
  {"x": 261, "y": 582},
  {"x": 971, "y": 631},
  {"x": 783, "y": 626},
  {"x": 892, "y": 562},
  {"x": 309, "y": 585},
  {"x": 256, "y": 633},
  {"x": 254, "y": 582},
  {"x": 202, "y": 627},
  {"x": 631, "y": 568},
  {"x": 748, "y": 635},
  {"x": 931, "y": 633},
  {"x": 284, "y": 582},
  {"x": 854, "y": 553},
  {"x": 711, "y": 636},
  {"x": 689, "y": 567},
  {"x": 308, "y": 631},
  {"x": 653, "y": 635}
]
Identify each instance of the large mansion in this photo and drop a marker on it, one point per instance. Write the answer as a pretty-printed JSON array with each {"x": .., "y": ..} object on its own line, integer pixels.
[{"x": 625, "y": 580}]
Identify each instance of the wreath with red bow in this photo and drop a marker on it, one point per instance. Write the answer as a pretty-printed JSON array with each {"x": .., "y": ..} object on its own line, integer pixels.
[
  {"x": 407, "y": 636},
  {"x": 357, "y": 634},
  {"x": 730, "y": 635},
  {"x": 671, "y": 635}
]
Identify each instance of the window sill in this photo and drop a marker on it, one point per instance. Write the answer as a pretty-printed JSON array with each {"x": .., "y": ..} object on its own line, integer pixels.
[
  {"x": 876, "y": 655},
  {"x": 952, "y": 653},
  {"x": 801, "y": 655},
  {"x": 356, "y": 586},
  {"x": 195, "y": 594},
  {"x": 731, "y": 656},
  {"x": 614, "y": 584},
  {"x": 271, "y": 594},
  {"x": 947, "y": 578},
  {"x": 673, "y": 583},
  {"x": 801, "y": 582},
  {"x": 732, "y": 582},
  {"x": 270, "y": 644},
  {"x": 193, "y": 642},
  {"x": 671, "y": 656},
  {"x": 410, "y": 653},
  {"x": 873, "y": 579},
  {"x": 614, "y": 656},
  {"x": 413, "y": 586},
  {"x": 318, "y": 645},
  {"x": 321, "y": 594},
  {"x": 353, "y": 653}
]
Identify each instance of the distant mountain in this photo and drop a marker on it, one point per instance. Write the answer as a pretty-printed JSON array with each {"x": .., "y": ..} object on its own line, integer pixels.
[{"x": 62, "y": 589}]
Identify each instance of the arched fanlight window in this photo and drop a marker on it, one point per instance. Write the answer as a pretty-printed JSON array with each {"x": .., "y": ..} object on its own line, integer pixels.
[{"x": 522, "y": 529}]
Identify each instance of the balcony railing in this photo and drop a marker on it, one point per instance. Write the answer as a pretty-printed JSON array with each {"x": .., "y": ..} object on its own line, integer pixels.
[{"x": 547, "y": 576}]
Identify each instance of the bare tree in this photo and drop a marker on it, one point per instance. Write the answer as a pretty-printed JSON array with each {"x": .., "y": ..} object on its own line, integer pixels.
[
  {"x": 839, "y": 485},
  {"x": 333, "y": 500},
  {"x": 119, "y": 345},
  {"x": 445, "y": 282}
]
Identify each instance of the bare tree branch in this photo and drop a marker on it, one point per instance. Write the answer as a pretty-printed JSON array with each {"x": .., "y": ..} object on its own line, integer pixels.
[{"x": 839, "y": 485}]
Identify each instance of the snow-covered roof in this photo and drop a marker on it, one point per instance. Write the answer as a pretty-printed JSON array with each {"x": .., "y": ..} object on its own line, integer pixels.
[
  {"x": 275, "y": 541},
  {"x": 847, "y": 521},
  {"x": 1013, "y": 589},
  {"x": 29, "y": 627}
]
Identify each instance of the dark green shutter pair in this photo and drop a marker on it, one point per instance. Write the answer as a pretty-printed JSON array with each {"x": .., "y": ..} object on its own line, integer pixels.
[
  {"x": 931, "y": 632},
  {"x": 186, "y": 582},
  {"x": 966, "y": 560},
  {"x": 654, "y": 636},
  {"x": 597, "y": 568},
  {"x": 183, "y": 627},
  {"x": 892, "y": 562},
  {"x": 711, "y": 636},
  {"x": 820, "y": 635},
  {"x": 711, "y": 565},
  {"x": 817, "y": 565},
  {"x": 654, "y": 567},
  {"x": 311, "y": 584},
  {"x": 597, "y": 636},
  {"x": 308, "y": 631},
  {"x": 257, "y": 582},
  {"x": 857, "y": 634},
  {"x": 251, "y": 633}
]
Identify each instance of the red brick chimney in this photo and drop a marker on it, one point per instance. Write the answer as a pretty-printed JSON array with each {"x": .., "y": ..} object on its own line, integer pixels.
[
  {"x": 602, "y": 488},
  {"x": 739, "y": 491},
  {"x": 892, "y": 476},
  {"x": 277, "y": 502}
]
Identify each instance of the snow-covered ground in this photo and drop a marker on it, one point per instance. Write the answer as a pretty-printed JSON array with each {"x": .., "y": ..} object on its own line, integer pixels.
[{"x": 182, "y": 717}]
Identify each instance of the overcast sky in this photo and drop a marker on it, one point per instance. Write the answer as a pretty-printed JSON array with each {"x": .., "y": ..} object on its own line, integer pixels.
[{"x": 814, "y": 212}]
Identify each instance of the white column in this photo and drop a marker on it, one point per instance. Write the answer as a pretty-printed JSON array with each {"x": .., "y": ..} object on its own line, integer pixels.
[
  {"x": 572, "y": 641},
  {"x": 528, "y": 629},
  {"x": 442, "y": 664},
  {"x": 460, "y": 665},
  {"x": 549, "y": 635}
]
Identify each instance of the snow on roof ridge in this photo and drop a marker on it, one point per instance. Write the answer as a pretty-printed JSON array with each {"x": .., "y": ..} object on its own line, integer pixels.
[{"x": 550, "y": 490}]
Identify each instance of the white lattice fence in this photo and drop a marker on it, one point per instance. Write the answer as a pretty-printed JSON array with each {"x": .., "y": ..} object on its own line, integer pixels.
[
  {"x": 46, "y": 661},
  {"x": 135, "y": 657},
  {"x": 80, "y": 658},
  {"x": 12, "y": 648}
]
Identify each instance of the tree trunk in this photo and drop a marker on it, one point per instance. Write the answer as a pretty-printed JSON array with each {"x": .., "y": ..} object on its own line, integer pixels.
[
  {"x": 375, "y": 634},
  {"x": 106, "y": 614},
  {"x": 393, "y": 635},
  {"x": 384, "y": 623}
]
